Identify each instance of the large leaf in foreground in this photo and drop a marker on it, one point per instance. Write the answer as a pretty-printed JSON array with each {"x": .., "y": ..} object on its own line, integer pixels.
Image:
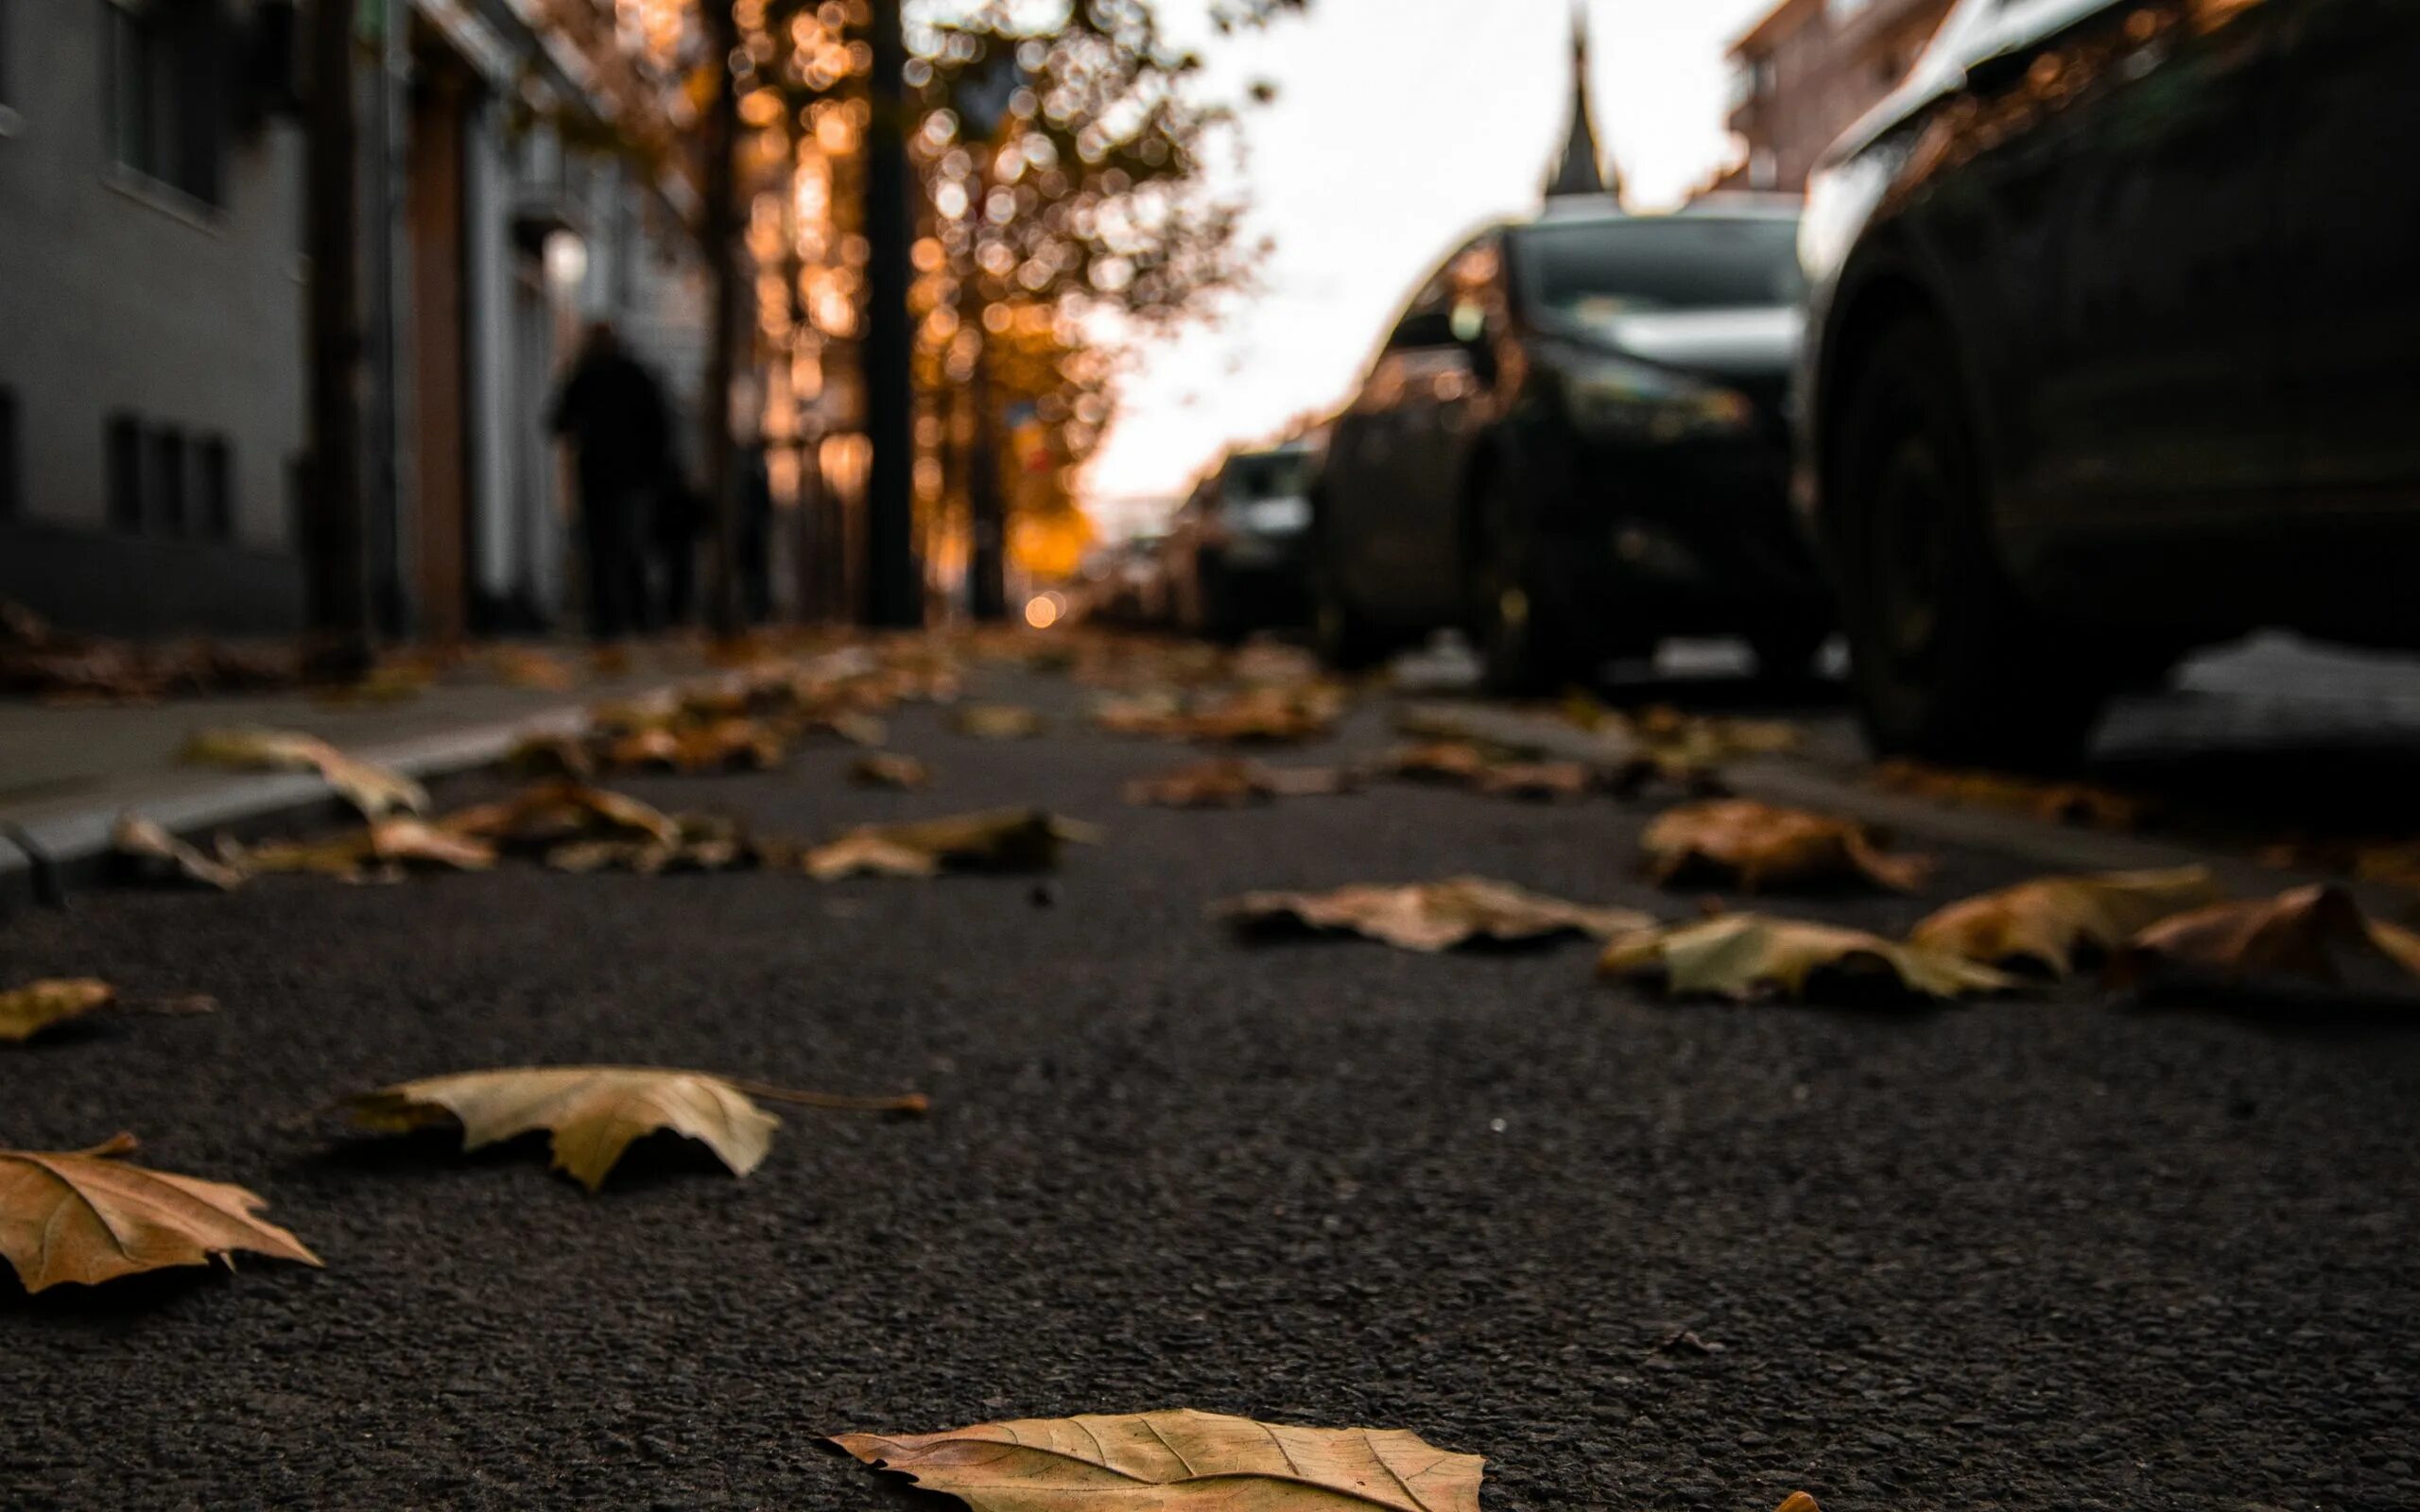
[
  {"x": 87, "y": 1217},
  {"x": 1163, "y": 1461},
  {"x": 1741, "y": 955},
  {"x": 1757, "y": 845},
  {"x": 2306, "y": 938},
  {"x": 27, "y": 1010},
  {"x": 1428, "y": 917},
  {"x": 146, "y": 847},
  {"x": 2051, "y": 919},
  {"x": 595, "y": 1112}
]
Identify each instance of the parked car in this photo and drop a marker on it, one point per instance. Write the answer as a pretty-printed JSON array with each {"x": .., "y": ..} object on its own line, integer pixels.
[
  {"x": 1572, "y": 444},
  {"x": 2115, "y": 352},
  {"x": 1238, "y": 560},
  {"x": 1126, "y": 584}
]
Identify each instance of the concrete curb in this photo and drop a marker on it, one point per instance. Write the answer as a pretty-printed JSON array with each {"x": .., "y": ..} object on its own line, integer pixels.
[
  {"x": 49, "y": 859},
  {"x": 1801, "y": 784}
]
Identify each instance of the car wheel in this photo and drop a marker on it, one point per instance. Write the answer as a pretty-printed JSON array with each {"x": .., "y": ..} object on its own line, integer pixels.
[
  {"x": 1789, "y": 655},
  {"x": 1948, "y": 664},
  {"x": 1523, "y": 648},
  {"x": 1344, "y": 640}
]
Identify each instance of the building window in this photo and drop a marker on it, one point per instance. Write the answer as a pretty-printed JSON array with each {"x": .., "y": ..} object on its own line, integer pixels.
[
  {"x": 167, "y": 505},
  {"x": 11, "y": 481},
  {"x": 213, "y": 478},
  {"x": 122, "y": 454},
  {"x": 165, "y": 66}
]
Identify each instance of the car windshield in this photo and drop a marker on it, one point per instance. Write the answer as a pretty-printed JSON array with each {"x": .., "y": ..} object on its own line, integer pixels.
[
  {"x": 1268, "y": 475},
  {"x": 1603, "y": 270}
]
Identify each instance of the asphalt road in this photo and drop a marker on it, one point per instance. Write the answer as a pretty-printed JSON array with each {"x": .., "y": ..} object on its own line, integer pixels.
[{"x": 2062, "y": 1254}]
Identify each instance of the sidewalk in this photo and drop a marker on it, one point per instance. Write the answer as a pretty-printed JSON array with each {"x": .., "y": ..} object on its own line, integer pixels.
[{"x": 66, "y": 773}]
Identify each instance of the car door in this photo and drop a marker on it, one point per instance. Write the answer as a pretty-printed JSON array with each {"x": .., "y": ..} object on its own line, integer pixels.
[
  {"x": 2146, "y": 319},
  {"x": 2351, "y": 243},
  {"x": 1372, "y": 546},
  {"x": 1446, "y": 394}
]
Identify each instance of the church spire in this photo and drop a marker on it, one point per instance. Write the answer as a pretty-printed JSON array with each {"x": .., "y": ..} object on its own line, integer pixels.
[{"x": 1583, "y": 168}]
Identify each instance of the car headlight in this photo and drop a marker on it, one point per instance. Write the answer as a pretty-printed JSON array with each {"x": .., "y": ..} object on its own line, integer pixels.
[{"x": 1629, "y": 400}]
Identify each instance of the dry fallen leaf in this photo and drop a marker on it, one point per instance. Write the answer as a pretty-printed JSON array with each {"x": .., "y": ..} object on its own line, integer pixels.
[
  {"x": 1230, "y": 782},
  {"x": 1739, "y": 955},
  {"x": 552, "y": 813},
  {"x": 1434, "y": 916},
  {"x": 2077, "y": 803},
  {"x": 27, "y": 1010},
  {"x": 997, "y": 721},
  {"x": 86, "y": 1217},
  {"x": 149, "y": 848},
  {"x": 889, "y": 769},
  {"x": 2308, "y": 938},
  {"x": 1160, "y": 1461},
  {"x": 372, "y": 789},
  {"x": 2050, "y": 920},
  {"x": 595, "y": 1112},
  {"x": 409, "y": 842},
  {"x": 1538, "y": 781},
  {"x": 994, "y": 840},
  {"x": 1759, "y": 845},
  {"x": 1437, "y": 761},
  {"x": 704, "y": 842},
  {"x": 551, "y": 756}
]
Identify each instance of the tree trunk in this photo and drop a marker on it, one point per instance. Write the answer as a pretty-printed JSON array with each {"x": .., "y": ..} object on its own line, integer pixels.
[
  {"x": 895, "y": 592},
  {"x": 988, "y": 572},
  {"x": 336, "y": 538},
  {"x": 721, "y": 237}
]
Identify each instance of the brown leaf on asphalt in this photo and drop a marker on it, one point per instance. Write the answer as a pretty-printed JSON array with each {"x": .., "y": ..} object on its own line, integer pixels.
[
  {"x": 595, "y": 1112},
  {"x": 889, "y": 769},
  {"x": 346, "y": 857},
  {"x": 552, "y": 814},
  {"x": 152, "y": 852},
  {"x": 1158, "y": 1461},
  {"x": 1437, "y": 761},
  {"x": 1429, "y": 916},
  {"x": 1742, "y": 956},
  {"x": 1537, "y": 781},
  {"x": 372, "y": 789},
  {"x": 1229, "y": 781},
  {"x": 2049, "y": 921},
  {"x": 88, "y": 1217},
  {"x": 1146, "y": 713},
  {"x": 704, "y": 842},
  {"x": 416, "y": 842},
  {"x": 2076, "y": 803},
  {"x": 526, "y": 666},
  {"x": 2308, "y": 938},
  {"x": 857, "y": 729},
  {"x": 992, "y": 840},
  {"x": 27, "y": 1010},
  {"x": 1264, "y": 715},
  {"x": 551, "y": 756},
  {"x": 996, "y": 721},
  {"x": 1757, "y": 845}
]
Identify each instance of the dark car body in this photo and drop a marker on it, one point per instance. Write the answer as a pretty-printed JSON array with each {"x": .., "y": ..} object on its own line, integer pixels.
[
  {"x": 1240, "y": 546},
  {"x": 2159, "y": 262},
  {"x": 1574, "y": 442}
]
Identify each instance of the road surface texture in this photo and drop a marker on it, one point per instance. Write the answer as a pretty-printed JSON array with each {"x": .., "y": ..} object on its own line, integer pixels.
[{"x": 2035, "y": 1254}]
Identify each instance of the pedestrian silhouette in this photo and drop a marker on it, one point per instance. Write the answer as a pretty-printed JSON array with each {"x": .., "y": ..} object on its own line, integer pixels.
[{"x": 613, "y": 412}]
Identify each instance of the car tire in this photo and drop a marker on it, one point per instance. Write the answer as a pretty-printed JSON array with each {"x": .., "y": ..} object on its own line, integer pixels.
[
  {"x": 1522, "y": 647},
  {"x": 1344, "y": 640},
  {"x": 1788, "y": 656},
  {"x": 1947, "y": 663}
]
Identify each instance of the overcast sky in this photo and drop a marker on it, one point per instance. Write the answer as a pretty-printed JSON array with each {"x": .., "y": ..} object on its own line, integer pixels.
[{"x": 1398, "y": 125}]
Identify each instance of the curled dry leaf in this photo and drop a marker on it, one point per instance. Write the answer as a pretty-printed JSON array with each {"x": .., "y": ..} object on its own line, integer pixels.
[
  {"x": 1430, "y": 916},
  {"x": 551, "y": 756},
  {"x": 1759, "y": 845},
  {"x": 27, "y": 1010},
  {"x": 372, "y": 789},
  {"x": 1268, "y": 715},
  {"x": 552, "y": 814},
  {"x": 416, "y": 842},
  {"x": 2306, "y": 938},
  {"x": 595, "y": 1112},
  {"x": 89, "y": 1217},
  {"x": 153, "y": 852},
  {"x": 705, "y": 842},
  {"x": 889, "y": 769},
  {"x": 2049, "y": 921},
  {"x": 1741, "y": 955},
  {"x": 992, "y": 840},
  {"x": 1199, "y": 1461},
  {"x": 997, "y": 721}
]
